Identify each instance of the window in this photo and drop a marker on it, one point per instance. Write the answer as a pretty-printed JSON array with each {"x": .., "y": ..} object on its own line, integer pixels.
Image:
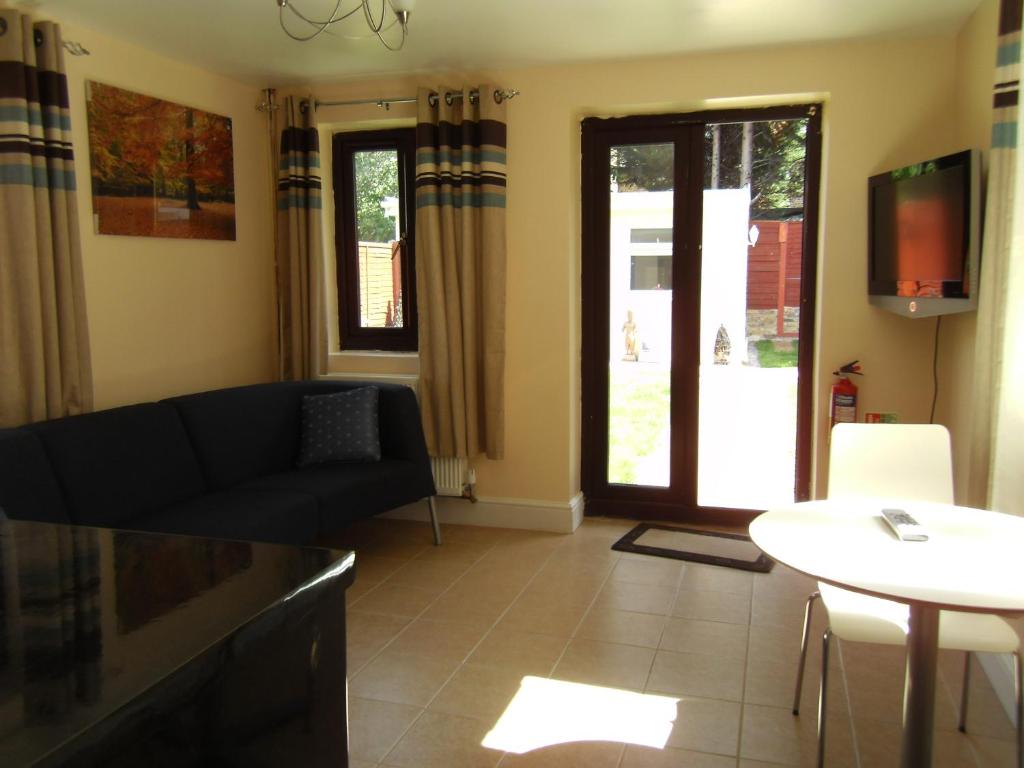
[{"x": 374, "y": 183}]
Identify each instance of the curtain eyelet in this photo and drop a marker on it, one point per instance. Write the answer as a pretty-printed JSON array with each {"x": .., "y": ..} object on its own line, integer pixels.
[{"x": 3, "y": 26}]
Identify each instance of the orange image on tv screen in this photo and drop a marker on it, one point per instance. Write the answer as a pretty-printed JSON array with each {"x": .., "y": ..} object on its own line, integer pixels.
[{"x": 929, "y": 235}]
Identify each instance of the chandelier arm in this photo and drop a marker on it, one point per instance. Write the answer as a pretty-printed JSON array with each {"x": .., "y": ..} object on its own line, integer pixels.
[
  {"x": 320, "y": 26},
  {"x": 377, "y": 27},
  {"x": 334, "y": 19},
  {"x": 373, "y": 24},
  {"x": 388, "y": 45}
]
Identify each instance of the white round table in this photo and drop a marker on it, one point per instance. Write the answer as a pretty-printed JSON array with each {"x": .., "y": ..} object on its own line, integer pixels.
[{"x": 973, "y": 561}]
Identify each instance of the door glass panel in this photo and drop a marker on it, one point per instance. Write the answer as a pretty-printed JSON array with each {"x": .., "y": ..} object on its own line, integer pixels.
[
  {"x": 378, "y": 231},
  {"x": 750, "y": 291},
  {"x": 640, "y": 314}
]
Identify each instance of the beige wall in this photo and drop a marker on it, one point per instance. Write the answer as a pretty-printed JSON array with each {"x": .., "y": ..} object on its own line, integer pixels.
[
  {"x": 975, "y": 59},
  {"x": 168, "y": 316},
  {"x": 887, "y": 104}
]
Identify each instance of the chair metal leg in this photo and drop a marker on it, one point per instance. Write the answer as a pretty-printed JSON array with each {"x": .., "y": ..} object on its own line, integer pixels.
[
  {"x": 1019, "y": 679},
  {"x": 823, "y": 696},
  {"x": 962, "y": 725},
  {"x": 433, "y": 521},
  {"x": 808, "y": 609}
]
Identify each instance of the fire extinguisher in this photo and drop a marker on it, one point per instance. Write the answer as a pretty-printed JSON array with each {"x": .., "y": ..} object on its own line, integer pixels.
[{"x": 844, "y": 394}]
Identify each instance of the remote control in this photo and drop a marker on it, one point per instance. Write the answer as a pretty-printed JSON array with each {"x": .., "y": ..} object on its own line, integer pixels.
[{"x": 903, "y": 525}]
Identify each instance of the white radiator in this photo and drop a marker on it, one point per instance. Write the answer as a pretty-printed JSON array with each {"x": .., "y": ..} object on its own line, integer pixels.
[{"x": 450, "y": 475}]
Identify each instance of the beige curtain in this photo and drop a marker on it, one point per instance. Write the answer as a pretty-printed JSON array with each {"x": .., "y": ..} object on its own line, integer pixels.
[
  {"x": 1002, "y": 207},
  {"x": 302, "y": 321},
  {"x": 44, "y": 340},
  {"x": 460, "y": 271}
]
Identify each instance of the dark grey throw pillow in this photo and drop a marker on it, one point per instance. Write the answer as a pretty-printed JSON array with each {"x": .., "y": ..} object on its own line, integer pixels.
[{"x": 342, "y": 426}]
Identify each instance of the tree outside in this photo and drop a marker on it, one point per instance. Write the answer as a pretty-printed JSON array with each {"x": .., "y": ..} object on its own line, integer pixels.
[
  {"x": 376, "y": 178},
  {"x": 768, "y": 155}
]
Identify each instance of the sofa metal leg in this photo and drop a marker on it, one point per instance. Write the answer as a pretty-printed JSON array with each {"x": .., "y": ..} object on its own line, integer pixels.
[
  {"x": 433, "y": 520},
  {"x": 808, "y": 611},
  {"x": 962, "y": 724}
]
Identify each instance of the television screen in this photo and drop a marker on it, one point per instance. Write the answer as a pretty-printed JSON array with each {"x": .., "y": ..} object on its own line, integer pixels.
[{"x": 920, "y": 221}]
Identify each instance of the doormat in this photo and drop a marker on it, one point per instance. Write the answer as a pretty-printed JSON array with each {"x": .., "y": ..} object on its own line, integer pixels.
[{"x": 732, "y": 550}]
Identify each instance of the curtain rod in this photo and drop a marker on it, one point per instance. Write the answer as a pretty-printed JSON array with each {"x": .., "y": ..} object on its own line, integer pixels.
[{"x": 385, "y": 103}]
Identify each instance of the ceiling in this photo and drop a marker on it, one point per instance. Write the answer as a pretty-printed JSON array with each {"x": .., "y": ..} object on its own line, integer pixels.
[{"x": 242, "y": 38}]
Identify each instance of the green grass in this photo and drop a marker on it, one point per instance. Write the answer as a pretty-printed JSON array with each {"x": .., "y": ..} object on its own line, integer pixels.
[
  {"x": 637, "y": 415},
  {"x": 777, "y": 354}
]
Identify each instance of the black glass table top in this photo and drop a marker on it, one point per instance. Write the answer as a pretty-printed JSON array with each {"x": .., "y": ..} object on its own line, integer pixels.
[{"x": 91, "y": 618}]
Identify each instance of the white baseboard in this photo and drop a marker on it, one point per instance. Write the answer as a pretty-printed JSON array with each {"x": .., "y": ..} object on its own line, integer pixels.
[
  {"x": 528, "y": 514},
  {"x": 999, "y": 670}
]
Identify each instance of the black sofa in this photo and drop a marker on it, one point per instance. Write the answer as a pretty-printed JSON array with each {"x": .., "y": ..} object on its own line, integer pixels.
[{"x": 218, "y": 464}]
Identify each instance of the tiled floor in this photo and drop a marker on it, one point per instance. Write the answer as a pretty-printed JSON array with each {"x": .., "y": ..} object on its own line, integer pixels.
[{"x": 440, "y": 639}]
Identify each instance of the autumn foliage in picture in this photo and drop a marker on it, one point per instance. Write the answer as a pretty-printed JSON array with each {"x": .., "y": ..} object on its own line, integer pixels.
[{"x": 159, "y": 169}]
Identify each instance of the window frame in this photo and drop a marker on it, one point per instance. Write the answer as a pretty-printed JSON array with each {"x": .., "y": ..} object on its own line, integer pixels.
[{"x": 352, "y": 335}]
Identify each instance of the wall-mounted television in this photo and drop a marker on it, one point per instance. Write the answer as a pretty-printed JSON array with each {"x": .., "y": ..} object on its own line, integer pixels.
[{"x": 924, "y": 233}]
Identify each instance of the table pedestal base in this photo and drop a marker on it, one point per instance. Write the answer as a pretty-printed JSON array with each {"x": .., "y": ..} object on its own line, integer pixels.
[{"x": 919, "y": 693}]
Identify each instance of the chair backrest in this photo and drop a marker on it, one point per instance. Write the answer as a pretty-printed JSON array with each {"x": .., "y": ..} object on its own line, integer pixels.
[{"x": 908, "y": 461}]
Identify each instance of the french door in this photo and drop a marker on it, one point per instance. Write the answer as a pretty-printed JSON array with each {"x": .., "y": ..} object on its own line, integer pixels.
[{"x": 699, "y": 264}]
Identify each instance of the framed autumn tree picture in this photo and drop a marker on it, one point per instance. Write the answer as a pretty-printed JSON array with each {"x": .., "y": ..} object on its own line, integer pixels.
[{"x": 159, "y": 169}]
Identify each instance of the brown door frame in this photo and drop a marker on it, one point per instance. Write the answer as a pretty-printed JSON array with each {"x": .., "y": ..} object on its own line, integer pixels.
[{"x": 686, "y": 132}]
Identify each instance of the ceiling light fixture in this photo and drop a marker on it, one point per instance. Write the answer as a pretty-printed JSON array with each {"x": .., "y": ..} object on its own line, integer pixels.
[{"x": 379, "y": 23}]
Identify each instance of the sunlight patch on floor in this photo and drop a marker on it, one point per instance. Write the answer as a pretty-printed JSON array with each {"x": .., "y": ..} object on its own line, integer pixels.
[{"x": 547, "y": 712}]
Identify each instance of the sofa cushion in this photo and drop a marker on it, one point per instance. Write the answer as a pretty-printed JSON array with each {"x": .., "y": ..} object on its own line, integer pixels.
[
  {"x": 348, "y": 492},
  {"x": 243, "y": 433},
  {"x": 28, "y": 487},
  {"x": 114, "y": 465},
  {"x": 340, "y": 426},
  {"x": 280, "y": 517}
]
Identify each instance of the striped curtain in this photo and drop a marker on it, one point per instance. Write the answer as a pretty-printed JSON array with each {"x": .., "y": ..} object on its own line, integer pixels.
[
  {"x": 302, "y": 319},
  {"x": 44, "y": 341},
  {"x": 1001, "y": 216},
  {"x": 460, "y": 271}
]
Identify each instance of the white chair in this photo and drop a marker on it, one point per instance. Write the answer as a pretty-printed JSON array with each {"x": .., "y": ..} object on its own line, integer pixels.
[{"x": 905, "y": 461}]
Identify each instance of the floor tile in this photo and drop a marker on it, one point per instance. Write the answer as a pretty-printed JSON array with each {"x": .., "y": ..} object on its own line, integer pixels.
[
  {"x": 478, "y": 690},
  {"x": 438, "y": 639},
  {"x": 648, "y": 757},
  {"x": 643, "y": 598},
  {"x": 697, "y": 636},
  {"x": 584, "y": 754},
  {"x": 775, "y": 735},
  {"x": 368, "y": 633},
  {"x": 374, "y": 727},
  {"x": 879, "y": 744},
  {"x": 993, "y": 753},
  {"x": 515, "y": 603},
  {"x": 712, "y": 606},
  {"x": 543, "y": 617},
  {"x": 624, "y": 627},
  {"x": 706, "y": 725},
  {"x": 429, "y": 574},
  {"x": 696, "y": 674},
  {"x": 655, "y": 572},
  {"x": 468, "y": 606},
  {"x": 438, "y": 740},
  {"x": 525, "y": 653},
  {"x": 714, "y": 578},
  {"x": 397, "y": 600},
  {"x": 402, "y": 678},
  {"x": 605, "y": 664}
]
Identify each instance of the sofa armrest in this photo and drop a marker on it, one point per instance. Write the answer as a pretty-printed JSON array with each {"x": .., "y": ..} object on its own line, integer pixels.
[{"x": 401, "y": 428}]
